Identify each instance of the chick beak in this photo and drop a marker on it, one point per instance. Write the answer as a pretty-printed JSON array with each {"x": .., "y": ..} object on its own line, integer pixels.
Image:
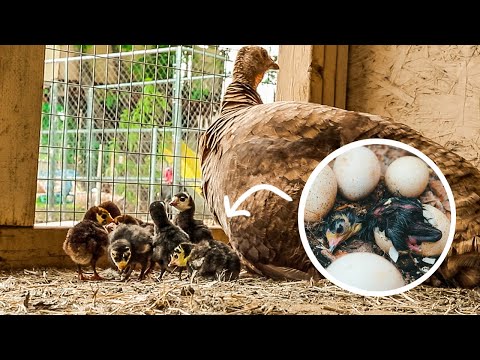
[
  {"x": 109, "y": 219},
  {"x": 174, "y": 201},
  {"x": 333, "y": 240},
  {"x": 121, "y": 265}
]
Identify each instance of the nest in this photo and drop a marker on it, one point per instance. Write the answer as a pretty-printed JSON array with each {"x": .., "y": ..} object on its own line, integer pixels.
[
  {"x": 412, "y": 266},
  {"x": 58, "y": 291}
]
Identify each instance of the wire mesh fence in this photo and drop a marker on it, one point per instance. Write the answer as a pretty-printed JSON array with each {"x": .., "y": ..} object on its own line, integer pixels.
[{"x": 122, "y": 122}]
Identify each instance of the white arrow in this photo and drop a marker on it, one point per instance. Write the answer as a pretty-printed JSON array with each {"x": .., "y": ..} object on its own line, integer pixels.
[{"x": 232, "y": 211}]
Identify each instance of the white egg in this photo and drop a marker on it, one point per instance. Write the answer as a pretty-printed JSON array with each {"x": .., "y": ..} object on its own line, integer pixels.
[
  {"x": 366, "y": 271},
  {"x": 407, "y": 176},
  {"x": 441, "y": 222},
  {"x": 321, "y": 196},
  {"x": 358, "y": 172}
]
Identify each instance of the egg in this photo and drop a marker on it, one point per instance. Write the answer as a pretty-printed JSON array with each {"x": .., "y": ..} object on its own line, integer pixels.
[
  {"x": 321, "y": 196},
  {"x": 366, "y": 271},
  {"x": 358, "y": 173},
  {"x": 407, "y": 176},
  {"x": 441, "y": 222}
]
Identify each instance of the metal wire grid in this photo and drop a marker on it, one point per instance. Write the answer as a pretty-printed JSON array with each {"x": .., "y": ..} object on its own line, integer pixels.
[{"x": 122, "y": 123}]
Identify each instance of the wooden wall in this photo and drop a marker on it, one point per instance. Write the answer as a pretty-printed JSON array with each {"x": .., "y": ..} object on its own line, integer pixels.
[{"x": 434, "y": 89}]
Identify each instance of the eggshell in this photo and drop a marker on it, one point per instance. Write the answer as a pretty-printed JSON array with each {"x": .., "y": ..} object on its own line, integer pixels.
[
  {"x": 358, "y": 172},
  {"x": 407, "y": 176},
  {"x": 385, "y": 244},
  {"x": 321, "y": 196},
  {"x": 441, "y": 222},
  {"x": 366, "y": 271}
]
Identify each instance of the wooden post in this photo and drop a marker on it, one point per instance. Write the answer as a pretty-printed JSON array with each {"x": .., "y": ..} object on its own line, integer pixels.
[
  {"x": 21, "y": 84},
  {"x": 313, "y": 73}
]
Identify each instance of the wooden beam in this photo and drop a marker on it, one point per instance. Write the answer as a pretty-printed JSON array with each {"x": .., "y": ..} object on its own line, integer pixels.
[
  {"x": 313, "y": 73},
  {"x": 23, "y": 247},
  {"x": 21, "y": 86}
]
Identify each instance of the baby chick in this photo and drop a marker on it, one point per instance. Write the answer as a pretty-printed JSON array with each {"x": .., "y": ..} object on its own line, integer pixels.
[
  {"x": 399, "y": 225},
  {"x": 196, "y": 229},
  {"x": 209, "y": 259},
  {"x": 111, "y": 207},
  {"x": 86, "y": 242},
  {"x": 130, "y": 245},
  {"x": 99, "y": 215},
  {"x": 167, "y": 237}
]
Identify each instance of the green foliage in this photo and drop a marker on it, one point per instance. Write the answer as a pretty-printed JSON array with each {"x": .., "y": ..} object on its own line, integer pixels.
[{"x": 59, "y": 137}]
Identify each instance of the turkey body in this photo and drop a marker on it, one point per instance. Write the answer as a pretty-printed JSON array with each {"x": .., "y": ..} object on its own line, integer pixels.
[{"x": 281, "y": 144}]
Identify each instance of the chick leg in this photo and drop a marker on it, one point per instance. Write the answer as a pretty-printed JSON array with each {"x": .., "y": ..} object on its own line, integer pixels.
[
  {"x": 142, "y": 272},
  {"x": 128, "y": 272},
  {"x": 80, "y": 274},
  {"x": 95, "y": 276}
]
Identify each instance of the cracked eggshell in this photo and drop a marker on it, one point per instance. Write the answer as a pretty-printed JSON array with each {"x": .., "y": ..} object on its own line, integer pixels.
[
  {"x": 358, "y": 173},
  {"x": 439, "y": 220},
  {"x": 321, "y": 196},
  {"x": 366, "y": 271},
  {"x": 407, "y": 176}
]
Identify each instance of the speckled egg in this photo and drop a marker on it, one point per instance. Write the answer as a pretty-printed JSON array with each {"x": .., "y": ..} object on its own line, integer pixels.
[
  {"x": 407, "y": 176},
  {"x": 321, "y": 196},
  {"x": 358, "y": 172},
  {"x": 439, "y": 220},
  {"x": 366, "y": 271}
]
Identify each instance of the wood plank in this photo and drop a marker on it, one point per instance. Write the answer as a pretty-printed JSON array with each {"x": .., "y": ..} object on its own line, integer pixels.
[
  {"x": 293, "y": 81},
  {"x": 341, "y": 77},
  {"x": 329, "y": 75},
  {"x": 317, "y": 70},
  {"x": 313, "y": 73},
  {"x": 23, "y": 247},
  {"x": 21, "y": 78}
]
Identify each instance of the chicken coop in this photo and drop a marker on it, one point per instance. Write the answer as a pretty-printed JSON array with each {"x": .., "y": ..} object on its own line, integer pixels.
[{"x": 83, "y": 124}]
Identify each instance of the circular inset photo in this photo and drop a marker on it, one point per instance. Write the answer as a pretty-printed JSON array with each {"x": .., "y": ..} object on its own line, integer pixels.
[{"x": 377, "y": 217}]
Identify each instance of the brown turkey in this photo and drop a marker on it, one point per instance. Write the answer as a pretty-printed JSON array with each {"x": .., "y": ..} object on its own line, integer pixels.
[{"x": 281, "y": 144}]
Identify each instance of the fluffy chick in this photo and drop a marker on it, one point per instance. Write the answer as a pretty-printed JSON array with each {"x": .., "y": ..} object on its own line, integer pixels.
[
  {"x": 130, "y": 245},
  {"x": 85, "y": 244},
  {"x": 209, "y": 259},
  {"x": 98, "y": 214},
  {"x": 196, "y": 229},
  {"x": 167, "y": 237},
  {"x": 111, "y": 207}
]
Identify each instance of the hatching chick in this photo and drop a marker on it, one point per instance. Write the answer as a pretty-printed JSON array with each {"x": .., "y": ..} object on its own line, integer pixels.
[
  {"x": 85, "y": 244},
  {"x": 196, "y": 229},
  {"x": 167, "y": 237},
  {"x": 130, "y": 245},
  {"x": 209, "y": 259},
  {"x": 399, "y": 225}
]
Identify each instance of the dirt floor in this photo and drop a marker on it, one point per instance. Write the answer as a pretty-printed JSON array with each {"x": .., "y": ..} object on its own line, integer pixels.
[{"x": 57, "y": 291}]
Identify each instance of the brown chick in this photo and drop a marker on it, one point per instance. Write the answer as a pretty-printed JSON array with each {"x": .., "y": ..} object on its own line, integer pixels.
[
  {"x": 85, "y": 244},
  {"x": 196, "y": 229},
  {"x": 99, "y": 215},
  {"x": 280, "y": 144},
  {"x": 112, "y": 208}
]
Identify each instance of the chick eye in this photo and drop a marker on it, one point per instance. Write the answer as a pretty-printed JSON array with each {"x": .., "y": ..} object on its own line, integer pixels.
[
  {"x": 182, "y": 199},
  {"x": 104, "y": 216},
  {"x": 339, "y": 229}
]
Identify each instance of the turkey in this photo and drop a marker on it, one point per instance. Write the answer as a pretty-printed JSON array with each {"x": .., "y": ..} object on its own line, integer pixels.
[{"x": 280, "y": 144}]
